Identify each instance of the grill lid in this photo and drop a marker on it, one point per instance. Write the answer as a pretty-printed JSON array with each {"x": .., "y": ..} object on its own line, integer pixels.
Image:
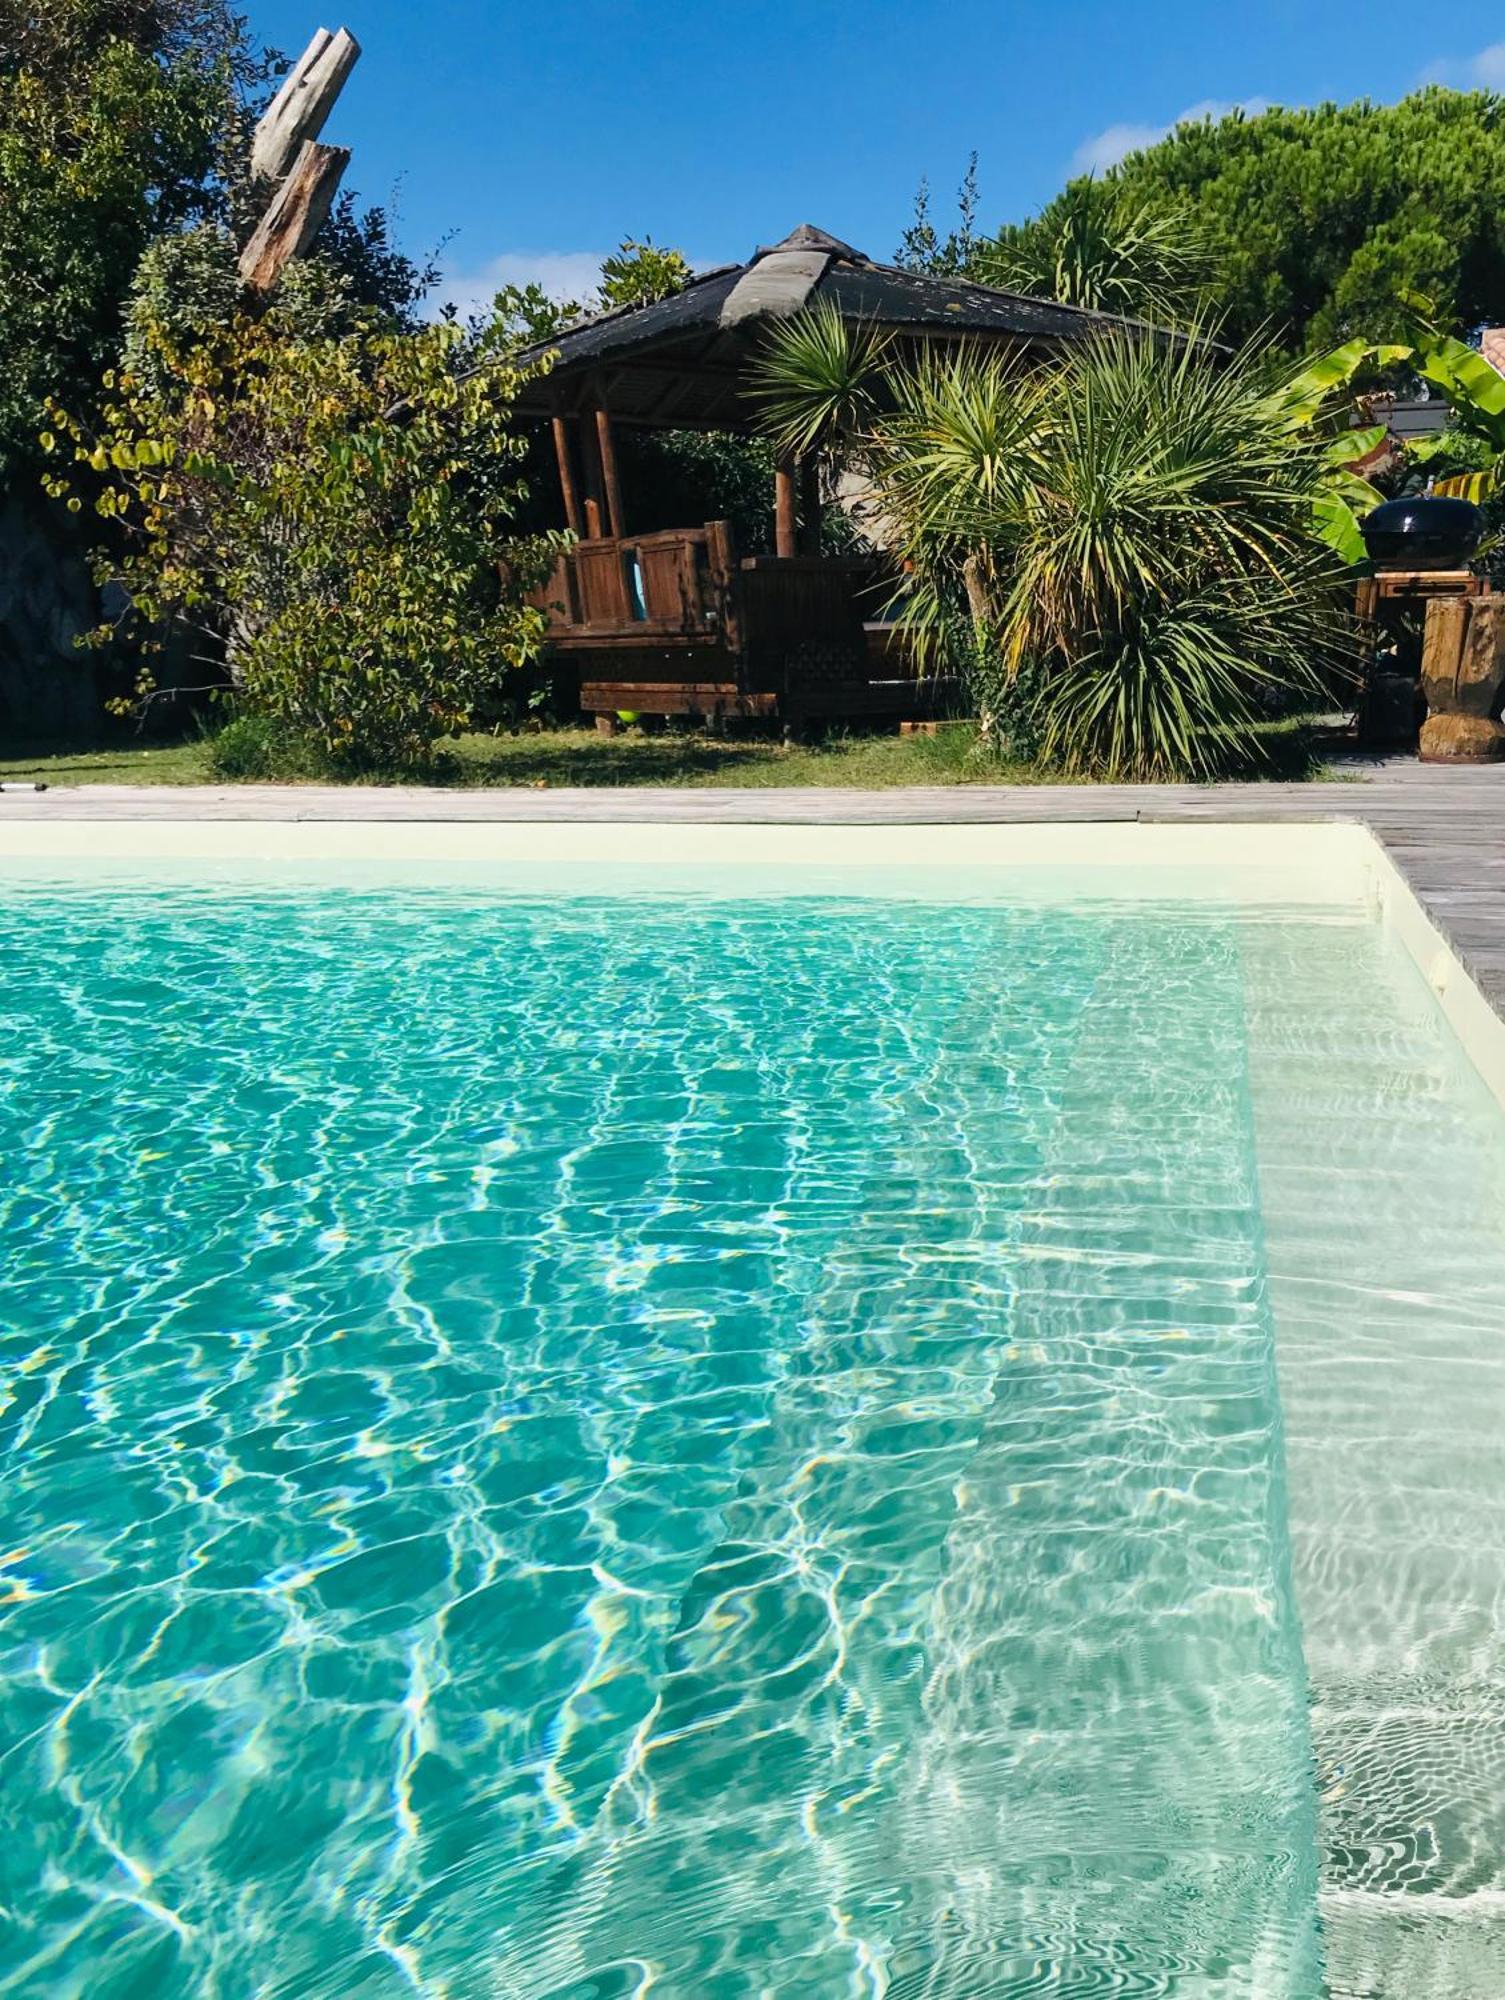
[{"x": 1422, "y": 533}]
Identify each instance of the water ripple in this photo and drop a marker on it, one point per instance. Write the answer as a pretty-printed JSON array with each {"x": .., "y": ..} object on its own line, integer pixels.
[{"x": 570, "y": 1448}]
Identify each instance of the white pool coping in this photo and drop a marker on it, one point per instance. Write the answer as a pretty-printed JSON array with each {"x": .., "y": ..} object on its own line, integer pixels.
[
  {"x": 1318, "y": 852},
  {"x": 1311, "y": 862}
]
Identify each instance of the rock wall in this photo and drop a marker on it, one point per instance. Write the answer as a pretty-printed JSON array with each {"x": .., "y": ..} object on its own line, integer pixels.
[{"x": 48, "y": 685}]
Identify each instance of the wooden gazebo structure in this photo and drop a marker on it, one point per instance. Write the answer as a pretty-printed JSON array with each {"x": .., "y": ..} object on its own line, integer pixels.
[{"x": 678, "y": 621}]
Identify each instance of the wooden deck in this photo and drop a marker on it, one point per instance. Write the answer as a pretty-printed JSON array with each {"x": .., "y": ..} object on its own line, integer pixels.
[{"x": 1445, "y": 828}]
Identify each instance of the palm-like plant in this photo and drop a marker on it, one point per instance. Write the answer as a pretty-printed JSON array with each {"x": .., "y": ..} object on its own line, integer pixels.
[
  {"x": 818, "y": 380},
  {"x": 1097, "y": 247},
  {"x": 1127, "y": 532}
]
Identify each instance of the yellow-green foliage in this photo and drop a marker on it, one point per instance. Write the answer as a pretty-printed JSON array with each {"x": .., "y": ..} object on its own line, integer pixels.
[{"x": 331, "y": 517}]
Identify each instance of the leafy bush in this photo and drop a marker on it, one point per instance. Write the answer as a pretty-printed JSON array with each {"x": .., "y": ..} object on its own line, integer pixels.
[
  {"x": 329, "y": 518},
  {"x": 637, "y": 274},
  {"x": 1119, "y": 548},
  {"x": 110, "y": 120},
  {"x": 257, "y": 747}
]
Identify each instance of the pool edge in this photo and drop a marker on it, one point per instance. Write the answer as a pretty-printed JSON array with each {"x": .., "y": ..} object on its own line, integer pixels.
[{"x": 1321, "y": 847}]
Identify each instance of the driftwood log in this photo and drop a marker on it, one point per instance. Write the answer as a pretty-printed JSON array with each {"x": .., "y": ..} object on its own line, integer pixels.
[
  {"x": 303, "y": 103},
  {"x": 295, "y": 216},
  {"x": 298, "y": 176},
  {"x": 1463, "y": 678}
]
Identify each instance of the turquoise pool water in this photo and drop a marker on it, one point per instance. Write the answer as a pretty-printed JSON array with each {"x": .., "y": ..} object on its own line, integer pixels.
[{"x": 560, "y": 1445}]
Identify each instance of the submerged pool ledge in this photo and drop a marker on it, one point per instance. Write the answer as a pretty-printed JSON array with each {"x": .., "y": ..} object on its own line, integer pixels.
[{"x": 1313, "y": 861}]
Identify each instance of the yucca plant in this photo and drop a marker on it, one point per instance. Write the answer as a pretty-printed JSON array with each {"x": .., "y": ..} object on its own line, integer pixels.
[
  {"x": 1097, "y": 247},
  {"x": 819, "y": 380},
  {"x": 1165, "y": 571},
  {"x": 1127, "y": 532}
]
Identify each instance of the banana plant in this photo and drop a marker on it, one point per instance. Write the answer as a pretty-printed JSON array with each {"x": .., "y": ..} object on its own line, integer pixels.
[
  {"x": 1475, "y": 394},
  {"x": 1303, "y": 401},
  {"x": 1346, "y": 496}
]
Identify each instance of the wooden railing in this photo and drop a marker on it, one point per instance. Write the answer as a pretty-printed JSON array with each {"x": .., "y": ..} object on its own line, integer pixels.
[
  {"x": 671, "y": 588},
  {"x": 674, "y": 624}
]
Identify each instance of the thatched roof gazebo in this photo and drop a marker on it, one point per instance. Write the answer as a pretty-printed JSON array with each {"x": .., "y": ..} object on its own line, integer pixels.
[{"x": 676, "y": 622}]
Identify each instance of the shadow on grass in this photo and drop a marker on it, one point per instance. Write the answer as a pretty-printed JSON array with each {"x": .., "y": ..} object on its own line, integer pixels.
[
  {"x": 1291, "y": 750},
  {"x": 596, "y": 760}
]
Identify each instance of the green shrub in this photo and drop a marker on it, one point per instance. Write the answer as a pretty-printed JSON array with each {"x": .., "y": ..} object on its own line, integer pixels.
[
  {"x": 329, "y": 517},
  {"x": 251, "y": 747}
]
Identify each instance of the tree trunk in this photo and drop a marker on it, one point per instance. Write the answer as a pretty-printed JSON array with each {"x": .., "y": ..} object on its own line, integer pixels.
[
  {"x": 980, "y": 605},
  {"x": 785, "y": 510},
  {"x": 298, "y": 111},
  {"x": 295, "y": 217}
]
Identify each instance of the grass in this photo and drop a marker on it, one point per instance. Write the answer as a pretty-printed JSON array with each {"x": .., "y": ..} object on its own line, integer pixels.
[
  {"x": 170, "y": 764},
  {"x": 581, "y": 757}
]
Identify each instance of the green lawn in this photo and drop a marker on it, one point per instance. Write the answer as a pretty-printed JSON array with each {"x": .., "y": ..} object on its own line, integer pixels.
[
  {"x": 580, "y": 757},
  {"x": 176, "y": 764}
]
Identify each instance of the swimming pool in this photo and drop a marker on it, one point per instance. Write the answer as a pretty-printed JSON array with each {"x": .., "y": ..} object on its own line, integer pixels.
[{"x": 581, "y": 1427}]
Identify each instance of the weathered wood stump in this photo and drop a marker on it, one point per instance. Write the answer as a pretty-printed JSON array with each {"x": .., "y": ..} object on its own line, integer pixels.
[
  {"x": 296, "y": 177},
  {"x": 1463, "y": 678}
]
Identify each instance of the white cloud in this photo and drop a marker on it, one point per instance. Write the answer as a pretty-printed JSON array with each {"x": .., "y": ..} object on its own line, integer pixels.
[
  {"x": 563, "y": 274},
  {"x": 1107, "y": 148},
  {"x": 1484, "y": 71}
]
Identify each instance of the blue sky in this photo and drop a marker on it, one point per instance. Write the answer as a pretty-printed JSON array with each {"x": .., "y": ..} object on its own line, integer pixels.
[{"x": 536, "y": 136}]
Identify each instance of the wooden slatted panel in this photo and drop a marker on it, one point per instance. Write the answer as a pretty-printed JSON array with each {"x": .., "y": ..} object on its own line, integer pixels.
[
  {"x": 803, "y": 619},
  {"x": 557, "y": 596},
  {"x": 646, "y": 587},
  {"x": 602, "y": 587},
  {"x": 709, "y": 699},
  {"x": 672, "y": 567}
]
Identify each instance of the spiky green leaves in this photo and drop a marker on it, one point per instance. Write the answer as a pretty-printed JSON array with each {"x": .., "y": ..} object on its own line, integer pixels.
[
  {"x": 819, "y": 380},
  {"x": 1127, "y": 533}
]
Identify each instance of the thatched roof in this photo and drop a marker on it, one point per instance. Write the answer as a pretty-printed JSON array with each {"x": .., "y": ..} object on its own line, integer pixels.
[{"x": 682, "y": 361}]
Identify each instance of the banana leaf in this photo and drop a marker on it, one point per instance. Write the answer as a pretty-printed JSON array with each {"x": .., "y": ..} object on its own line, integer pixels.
[
  {"x": 1353, "y": 488},
  {"x": 1349, "y": 447},
  {"x": 1337, "y": 524},
  {"x": 1304, "y": 395},
  {"x": 1475, "y": 390}
]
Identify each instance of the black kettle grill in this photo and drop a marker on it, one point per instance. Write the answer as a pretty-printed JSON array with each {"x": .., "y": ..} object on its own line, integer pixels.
[{"x": 1423, "y": 533}]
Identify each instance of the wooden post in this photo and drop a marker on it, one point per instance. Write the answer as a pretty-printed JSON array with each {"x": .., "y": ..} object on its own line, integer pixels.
[
  {"x": 295, "y": 217},
  {"x": 1444, "y": 636},
  {"x": 567, "y": 476},
  {"x": 606, "y": 446},
  {"x": 305, "y": 100},
  {"x": 785, "y": 537},
  {"x": 590, "y": 462},
  {"x": 809, "y": 477},
  {"x": 1463, "y": 671},
  {"x": 721, "y": 559}
]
